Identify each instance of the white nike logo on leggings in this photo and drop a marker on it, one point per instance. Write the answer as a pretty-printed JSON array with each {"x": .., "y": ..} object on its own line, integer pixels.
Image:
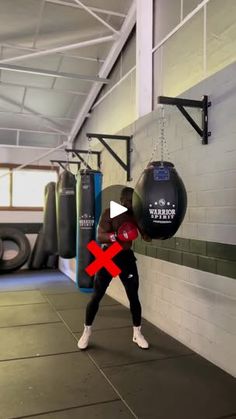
[{"x": 130, "y": 276}]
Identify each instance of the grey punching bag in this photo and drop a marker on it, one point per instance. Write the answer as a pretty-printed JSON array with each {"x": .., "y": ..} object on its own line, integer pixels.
[{"x": 159, "y": 200}]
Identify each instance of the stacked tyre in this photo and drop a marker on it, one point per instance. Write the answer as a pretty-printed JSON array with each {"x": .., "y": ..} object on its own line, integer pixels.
[{"x": 20, "y": 239}]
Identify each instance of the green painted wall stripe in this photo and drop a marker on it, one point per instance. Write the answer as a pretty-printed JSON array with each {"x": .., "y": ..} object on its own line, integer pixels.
[{"x": 217, "y": 258}]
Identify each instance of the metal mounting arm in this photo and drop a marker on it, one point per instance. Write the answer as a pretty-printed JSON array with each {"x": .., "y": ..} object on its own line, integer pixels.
[
  {"x": 103, "y": 137},
  {"x": 78, "y": 152},
  {"x": 200, "y": 104},
  {"x": 62, "y": 162}
]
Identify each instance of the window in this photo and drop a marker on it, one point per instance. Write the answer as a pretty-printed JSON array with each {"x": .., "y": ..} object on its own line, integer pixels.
[
  {"x": 4, "y": 187},
  {"x": 24, "y": 189}
]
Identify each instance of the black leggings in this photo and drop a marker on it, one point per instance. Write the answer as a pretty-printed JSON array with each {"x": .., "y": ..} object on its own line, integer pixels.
[{"x": 129, "y": 278}]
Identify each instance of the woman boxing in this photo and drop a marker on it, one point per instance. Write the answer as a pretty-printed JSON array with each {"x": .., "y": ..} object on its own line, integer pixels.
[{"x": 123, "y": 229}]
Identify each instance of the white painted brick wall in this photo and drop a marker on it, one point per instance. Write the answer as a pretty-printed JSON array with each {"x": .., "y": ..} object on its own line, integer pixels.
[
  {"x": 195, "y": 307},
  {"x": 171, "y": 74}
]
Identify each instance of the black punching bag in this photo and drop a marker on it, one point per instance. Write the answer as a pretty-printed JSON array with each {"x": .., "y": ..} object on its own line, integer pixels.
[
  {"x": 49, "y": 221},
  {"x": 66, "y": 215},
  {"x": 88, "y": 213},
  {"x": 38, "y": 256},
  {"x": 159, "y": 200}
]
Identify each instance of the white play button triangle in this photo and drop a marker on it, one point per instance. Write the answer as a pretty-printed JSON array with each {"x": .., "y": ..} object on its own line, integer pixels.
[{"x": 116, "y": 209}]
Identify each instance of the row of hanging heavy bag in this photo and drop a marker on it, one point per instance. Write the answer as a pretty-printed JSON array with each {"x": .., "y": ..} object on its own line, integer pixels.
[
  {"x": 159, "y": 205},
  {"x": 71, "y": 214},
  {"x": 58, "y": 234}
]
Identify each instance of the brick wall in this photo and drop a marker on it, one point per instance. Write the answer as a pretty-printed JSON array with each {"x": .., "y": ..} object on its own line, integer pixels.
[{"x": 186, "y": 283}]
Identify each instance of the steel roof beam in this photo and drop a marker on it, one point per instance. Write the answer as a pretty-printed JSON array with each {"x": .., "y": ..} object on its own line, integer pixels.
[
  {"x": 48, "y": 73},
  {"x": 105, "y": 69},
  {"x": 51, "y": 150},
  {"x": 95, "y": 9},
  {"x": 23, "y": 100},
  {"x": 24, "y": 48},
  {"x": 51, "y": 124},
  {"x": 29, "y": 114},
  {"x": 95, "y": 15},
  {"x": 49, "y": 51},
  {"x": 32, "y": 130},
  {"x": 47, "y": 89},
  {"x": 27, "y": 147},
  {"x": 39, "y": 22}
]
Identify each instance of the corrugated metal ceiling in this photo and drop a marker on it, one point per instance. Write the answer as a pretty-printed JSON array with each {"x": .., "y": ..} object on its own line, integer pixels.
[{"x": 39, "y": 109}]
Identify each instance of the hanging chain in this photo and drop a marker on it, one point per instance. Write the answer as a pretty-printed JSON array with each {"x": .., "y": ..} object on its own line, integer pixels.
[
  {"x": 162, "y": 132},
  {"x": 67, "y": 165},
  {"x": 67, "y": 162},
  {"x": 164, "y": 144},
  {"x": 154, "y": 154},
  {"x": 88, "y": 154},
  {"x": 160, "y": 142},
  {"x": 166, "y": 148},
  {"x": 154, "y": 151}
]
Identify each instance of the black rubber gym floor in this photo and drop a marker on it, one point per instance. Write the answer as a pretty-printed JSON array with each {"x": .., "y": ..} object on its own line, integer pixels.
[{"x": 44, "y": 375}]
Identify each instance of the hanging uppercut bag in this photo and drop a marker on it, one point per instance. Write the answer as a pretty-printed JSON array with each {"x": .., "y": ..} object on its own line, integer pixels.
[{"x": 160, "y": 198}]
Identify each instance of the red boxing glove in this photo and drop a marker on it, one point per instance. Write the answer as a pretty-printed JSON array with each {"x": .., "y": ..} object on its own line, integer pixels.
[{"x": 127, "y": 232}]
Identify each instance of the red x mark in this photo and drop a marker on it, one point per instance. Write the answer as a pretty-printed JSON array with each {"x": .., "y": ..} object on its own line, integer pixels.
[{"x": 103, "y": 258}]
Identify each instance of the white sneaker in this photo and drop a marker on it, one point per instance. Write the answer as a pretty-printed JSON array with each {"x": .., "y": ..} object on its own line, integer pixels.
[
  {"x": 139, "y": 338},
  {"x": 84, "y": 340}
]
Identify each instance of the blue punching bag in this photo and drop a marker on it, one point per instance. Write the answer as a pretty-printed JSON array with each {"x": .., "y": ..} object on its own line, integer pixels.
[
  {"x": 159, "y": 200},
  {"x": 88, "y": 213}
]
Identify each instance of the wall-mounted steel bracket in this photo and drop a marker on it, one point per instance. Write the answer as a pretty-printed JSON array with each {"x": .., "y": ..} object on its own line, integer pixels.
[
  {"x": 125, "y": 165},
  {"x": 78, "y": 153},
  {"x": 203, "y": 104},
  {"x": 62, "y": 163}
]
